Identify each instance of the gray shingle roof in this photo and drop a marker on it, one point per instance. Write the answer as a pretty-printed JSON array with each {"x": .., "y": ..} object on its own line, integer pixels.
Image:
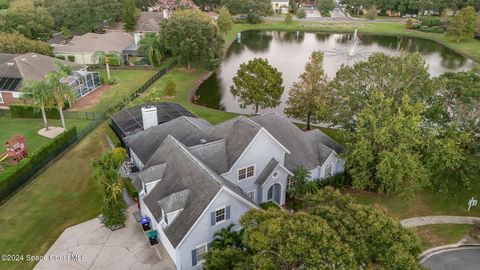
[
  {"x": 31, "y": 66},
  {"x": 214, "y": 154},
  {"x": 112, "y": 41},
  {"x": 149, "y": 22},
  {"x": 152, "y": 174},
  {"x": 175, "y": 201},
  {"x": 305, "y": 149},
  {"x": 239, "y": 132},
  {"x": 183, "y": 171},
  {"x": 267, "y": 171},
  {"x": 184, "y": 129}
]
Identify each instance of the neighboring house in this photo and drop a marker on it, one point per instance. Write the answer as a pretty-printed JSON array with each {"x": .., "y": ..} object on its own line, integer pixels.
[
  {"x": 280, "y": 6},
  {"x": 84, "y": 47},
  {"x": 15, "y": 69},
  {"x": 148, "y": 22},
  {"x": 196, "y": 178}
]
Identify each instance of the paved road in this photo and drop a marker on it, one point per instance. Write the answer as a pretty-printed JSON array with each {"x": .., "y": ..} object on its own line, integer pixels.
[{"x": 459, "y": 259}]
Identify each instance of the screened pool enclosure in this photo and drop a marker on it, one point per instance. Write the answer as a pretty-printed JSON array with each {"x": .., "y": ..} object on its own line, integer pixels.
[{"x": 84, "y": 82}]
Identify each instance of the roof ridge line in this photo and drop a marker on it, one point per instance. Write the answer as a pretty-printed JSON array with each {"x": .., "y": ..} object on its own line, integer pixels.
[
  {"x": 197, "y": 161},
  {"x": 205, "y": 144}
]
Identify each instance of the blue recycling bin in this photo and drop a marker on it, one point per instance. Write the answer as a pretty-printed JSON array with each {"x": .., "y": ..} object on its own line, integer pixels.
[{"x": 145, "y": 221}]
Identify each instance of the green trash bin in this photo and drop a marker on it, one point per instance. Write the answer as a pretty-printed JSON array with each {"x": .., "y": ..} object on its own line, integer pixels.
[{"x": 153, "y": 237}]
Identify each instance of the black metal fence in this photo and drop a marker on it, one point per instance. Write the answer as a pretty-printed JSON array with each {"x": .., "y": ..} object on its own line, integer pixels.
[{"x": 28, "y": 169}]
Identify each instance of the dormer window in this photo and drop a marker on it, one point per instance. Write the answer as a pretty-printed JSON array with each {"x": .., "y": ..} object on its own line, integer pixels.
[{"x": 246, "y": 172}]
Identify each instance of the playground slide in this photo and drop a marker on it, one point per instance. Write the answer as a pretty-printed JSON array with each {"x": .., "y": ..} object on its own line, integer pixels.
[{"x": 2, "y": 158}]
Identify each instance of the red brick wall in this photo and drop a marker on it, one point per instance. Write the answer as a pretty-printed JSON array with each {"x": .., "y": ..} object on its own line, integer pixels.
[{"x": 8, "y": 99}]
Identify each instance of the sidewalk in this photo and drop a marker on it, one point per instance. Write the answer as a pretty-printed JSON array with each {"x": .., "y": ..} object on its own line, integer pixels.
[{"x": 428, "y": 220}]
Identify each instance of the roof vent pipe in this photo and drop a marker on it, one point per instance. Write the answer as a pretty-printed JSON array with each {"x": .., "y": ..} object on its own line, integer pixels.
[{"x": 149, "y": 117}]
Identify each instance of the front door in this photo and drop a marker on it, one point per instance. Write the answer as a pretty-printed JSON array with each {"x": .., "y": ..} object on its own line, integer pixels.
[{"x": 274, "y": 193}]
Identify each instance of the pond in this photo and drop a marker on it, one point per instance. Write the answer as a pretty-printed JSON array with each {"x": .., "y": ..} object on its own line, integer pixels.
[{"x": 289, "y": 51}]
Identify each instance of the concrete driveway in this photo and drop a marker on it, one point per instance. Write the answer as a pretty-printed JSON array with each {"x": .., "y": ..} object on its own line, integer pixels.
[
  {"x": 90, "y": 245},
  {"x": 456, "y": 259}
]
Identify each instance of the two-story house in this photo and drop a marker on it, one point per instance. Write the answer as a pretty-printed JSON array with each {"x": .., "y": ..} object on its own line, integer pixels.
[{"x": 196, "y": 178}]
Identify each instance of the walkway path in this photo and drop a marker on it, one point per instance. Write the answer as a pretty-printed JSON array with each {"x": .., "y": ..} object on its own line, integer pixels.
[{"x": 428, "y": 220}]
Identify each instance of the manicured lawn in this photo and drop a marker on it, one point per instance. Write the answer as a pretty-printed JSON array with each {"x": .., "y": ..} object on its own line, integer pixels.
[
  {"x": 65, "y": 194},
  {"x": 441, "y": 234},
  {"x": 127, "y": 81},
  {"x": 28, "y": 127}
]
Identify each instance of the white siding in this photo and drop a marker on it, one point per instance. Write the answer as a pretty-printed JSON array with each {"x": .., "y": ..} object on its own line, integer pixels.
[
  {"x": 259, "y": 153},
  {"x": 203, "y": 231},
  {"x": 281, "y": 179}
]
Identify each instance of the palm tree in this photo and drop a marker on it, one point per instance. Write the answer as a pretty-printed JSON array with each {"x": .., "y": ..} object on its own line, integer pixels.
[
  {"x": 150, "y": 45},
  {"x": 302, "y": 185},
  {"x": 104, "y": 58},
  {"x": 61, "y": 91},
  {"x": 227, "y": 237},
  {"x": 41, "y": 95}
]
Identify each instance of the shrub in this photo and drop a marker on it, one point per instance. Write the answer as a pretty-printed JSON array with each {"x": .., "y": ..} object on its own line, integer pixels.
[
  {"x": 433, "y": 29},
  {"x": 170, "y": 86},
  {"x": 409, "y": 24},
  {"x": 254, "y": 17},
  {"x": 35, "y": 161},
  {"x": 432, "y": 21},
  {"x": 326, "y": 13},
  {"x": 132, "y": 192},
  {"x": 288, "y": 18},
  {"x": 338, "y": 181},
  {"x": 371, "y": 13},
  {"x": 27, "y": 111},
  {"x": 301, "y": 13},
  {"x": 71, "y": 58},
  {"x": 61, "y": 57},
  {"x": 268, "y": 205}
]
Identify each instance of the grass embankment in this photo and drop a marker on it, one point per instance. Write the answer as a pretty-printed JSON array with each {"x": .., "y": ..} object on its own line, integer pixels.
[
  {"x": 442, "y": 234},
  {"x": 65, "y": 194}
]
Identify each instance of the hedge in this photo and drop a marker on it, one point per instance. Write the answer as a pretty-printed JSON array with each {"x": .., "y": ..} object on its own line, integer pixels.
[
  {"x": 36, "y": 160},
  {"x": 71, "y": 58},
  {"x": 27, "y": 111}
]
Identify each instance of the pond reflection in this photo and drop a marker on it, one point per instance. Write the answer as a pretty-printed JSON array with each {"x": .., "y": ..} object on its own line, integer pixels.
[{"x": 288, "y": 51}]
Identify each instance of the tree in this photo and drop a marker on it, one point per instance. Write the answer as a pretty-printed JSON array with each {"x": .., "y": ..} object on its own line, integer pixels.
[
  {"x": 207, "y": 4},
  {"x": 61, "y": 91},
  {"x": 226, "y": 238},
  {"x": 129, "y": 15},
  {"x": 463, "y": 24},
  {"x": 193, "y": 37},
  {"x": 395, "y": 76},
  {"x": 292, "y": 6},
  {"x": 18, "y": 44},
  {"x": 81, "y": 16},
  {"x": 386, "y": 146},
  {"x": 259, "y": 7},
  {"x": 151, "y": 46},
  {"x": 409, "y": 24},
  {"x": 302, "y": 185},
  {"x": 308, "y": 95},
  {"x": 106, "y": 171},
  {"x": 170, "y": 86},
  {"x": 225, "y": 20},
  {"x": 41, "y": 95},
  {"x": 288, "y": 18},
  {"x": 301, "y": 13},
  {"x": 258, "y": 84},
  {"x": 24, "y": 18},
  {"x": 378, "y": 241},
  {"x": 372, "y": 13},
  {"x": 326, "y": 5}
]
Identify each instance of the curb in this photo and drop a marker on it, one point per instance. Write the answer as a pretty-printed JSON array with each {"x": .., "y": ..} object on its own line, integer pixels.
[{"x": 441, "y": 249}]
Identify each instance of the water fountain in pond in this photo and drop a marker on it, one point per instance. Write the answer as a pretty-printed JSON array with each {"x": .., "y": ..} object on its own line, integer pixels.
[{"x": 351, "y": 51}]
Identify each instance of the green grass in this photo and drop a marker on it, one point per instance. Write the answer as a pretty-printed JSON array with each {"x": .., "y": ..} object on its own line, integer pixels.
[
  {"x": 65, "y": 194},
  {"x": 426, "y": 202},
  {"x": 442, "y": 234},
  {"x": 127, "y": 81}
]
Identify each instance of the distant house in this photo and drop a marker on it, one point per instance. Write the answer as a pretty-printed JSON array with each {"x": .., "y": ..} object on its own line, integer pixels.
[
  {"x": 148, "y": 22},
  {"x": 196, "y": 178},
  {"x": 280, "y": 6},
  {"x": 16, "y": 69},
  {"x": 84, "y": 47}
]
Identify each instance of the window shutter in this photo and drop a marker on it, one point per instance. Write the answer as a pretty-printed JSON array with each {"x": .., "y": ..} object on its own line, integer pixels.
[
  {"x": 212, "y": 216},
  {"x": 209, "y": 246},
  {"x": 194, "y": 257},
  {"x": 227, "y": 214}
]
